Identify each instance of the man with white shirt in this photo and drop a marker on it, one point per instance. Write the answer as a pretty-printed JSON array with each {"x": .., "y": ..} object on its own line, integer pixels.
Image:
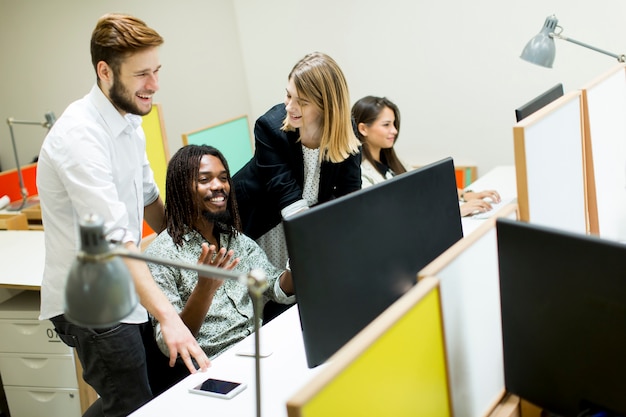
[{"x": 93, "y": 160}]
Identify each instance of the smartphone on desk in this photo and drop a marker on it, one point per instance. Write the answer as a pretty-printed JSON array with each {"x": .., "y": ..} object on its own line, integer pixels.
[{"x": 218, "y": 388}]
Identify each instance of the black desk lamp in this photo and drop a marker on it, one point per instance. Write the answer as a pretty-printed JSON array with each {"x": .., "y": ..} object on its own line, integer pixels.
[
  {"x": 19, "y": 205},
  {"x": 100, "y": 291},
  {"x": 540, "y": 49}
]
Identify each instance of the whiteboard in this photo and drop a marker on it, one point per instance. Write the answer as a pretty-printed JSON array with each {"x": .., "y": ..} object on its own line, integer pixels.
[
  {"x": 549, "y": 165},
  {"x": 605, "y": 100}
]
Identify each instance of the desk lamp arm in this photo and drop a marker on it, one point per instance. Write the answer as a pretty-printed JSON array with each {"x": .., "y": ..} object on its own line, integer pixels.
[{"x": 620, "y": 58}]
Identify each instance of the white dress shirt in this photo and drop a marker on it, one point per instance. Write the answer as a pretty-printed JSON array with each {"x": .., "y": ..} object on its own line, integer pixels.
[{"x": 93, "y": 161}]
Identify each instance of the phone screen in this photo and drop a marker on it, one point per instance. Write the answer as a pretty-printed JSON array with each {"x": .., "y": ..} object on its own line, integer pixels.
[{"x": 218, "y": 386}]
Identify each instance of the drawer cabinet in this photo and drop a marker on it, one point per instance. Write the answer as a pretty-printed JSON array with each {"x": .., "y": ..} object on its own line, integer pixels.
[
  {"x": 30, "y": 336},
  {"x": 30, "y": 402},
  {"x": 38, "y": 369},
  {"x": 22, "y": 369}
]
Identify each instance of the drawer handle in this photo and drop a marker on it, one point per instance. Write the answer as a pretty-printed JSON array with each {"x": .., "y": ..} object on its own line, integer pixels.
[
  {"x": 34, "y": 363},
  {"x": 42, "y": 396},
  {"x": 26, "y": 328}
]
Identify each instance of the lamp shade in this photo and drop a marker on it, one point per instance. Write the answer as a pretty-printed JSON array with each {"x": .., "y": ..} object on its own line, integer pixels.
[
  {"x": 99, "y": 291},
  {"x": 540, "y": 50}
]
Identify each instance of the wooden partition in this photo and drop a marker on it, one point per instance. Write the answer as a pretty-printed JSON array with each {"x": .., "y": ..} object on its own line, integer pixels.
[
  {"x": 550, "y": 167},
  {"x": 231, "y": 137},
  {"x": 394, "y": 367},
  {"x": 604, "y": 118},
  {"x": 470, "y": 303}
]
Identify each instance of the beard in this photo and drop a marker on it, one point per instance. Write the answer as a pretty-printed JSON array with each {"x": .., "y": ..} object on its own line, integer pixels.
[
  {"x": 123, "y": 99},
  {"x": 222, "y": 217}
]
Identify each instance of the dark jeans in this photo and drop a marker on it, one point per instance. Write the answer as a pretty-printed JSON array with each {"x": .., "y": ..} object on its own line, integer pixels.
[{"x": 123, "y": 364}]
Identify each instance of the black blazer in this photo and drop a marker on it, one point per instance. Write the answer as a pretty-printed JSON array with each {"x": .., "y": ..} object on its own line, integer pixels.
[{"x": 274, "y": 177}]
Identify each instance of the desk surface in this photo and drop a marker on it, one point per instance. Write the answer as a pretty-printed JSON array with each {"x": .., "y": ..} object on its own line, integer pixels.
[
  {"x": 503, "y": 180},
  {"x": 22, "y": 256},
  {"x": 283, "y": 373}
]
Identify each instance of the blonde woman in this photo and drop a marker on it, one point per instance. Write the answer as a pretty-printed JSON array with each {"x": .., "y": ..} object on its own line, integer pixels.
[{"x": 306, "y": 153}]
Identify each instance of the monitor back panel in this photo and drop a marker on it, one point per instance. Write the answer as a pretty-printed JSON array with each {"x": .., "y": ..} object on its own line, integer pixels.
[
  {"x": 539, "y": 102},
  {"x": 563, "y": 317},
  {"x": 352, "y": 257}
]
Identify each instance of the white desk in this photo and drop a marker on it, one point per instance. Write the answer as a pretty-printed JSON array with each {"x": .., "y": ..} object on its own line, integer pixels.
[
  {"x": 283, "y": 373},
  {"x": 503, "y": 180}
]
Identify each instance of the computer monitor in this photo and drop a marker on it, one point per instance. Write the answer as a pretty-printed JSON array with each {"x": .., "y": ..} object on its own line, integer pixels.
[
  {"x": 352, "y": 257},
  {"x": 563, "y": 300},
  {"x": 538, "y": 102}
]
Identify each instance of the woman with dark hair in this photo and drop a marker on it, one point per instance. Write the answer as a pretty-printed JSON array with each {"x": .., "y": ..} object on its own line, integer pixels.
[{"x": 377, "y": 122}]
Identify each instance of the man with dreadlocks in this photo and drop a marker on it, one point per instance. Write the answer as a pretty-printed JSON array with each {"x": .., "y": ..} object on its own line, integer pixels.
[{"x": 203, "y": 226}]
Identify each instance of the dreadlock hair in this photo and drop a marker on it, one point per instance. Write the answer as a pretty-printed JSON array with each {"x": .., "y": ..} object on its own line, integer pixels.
[{"x": 181, "y": 209}]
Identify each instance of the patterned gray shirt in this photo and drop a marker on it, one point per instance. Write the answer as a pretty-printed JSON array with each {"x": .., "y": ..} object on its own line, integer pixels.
[{"x": 230, "y": 317}]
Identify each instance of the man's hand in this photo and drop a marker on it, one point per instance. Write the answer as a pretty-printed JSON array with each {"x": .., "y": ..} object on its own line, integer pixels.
[
  {"x": 197, "y": 306},
  {"x": 219, "y": 259},
  {"x": 180, "y": 342}
]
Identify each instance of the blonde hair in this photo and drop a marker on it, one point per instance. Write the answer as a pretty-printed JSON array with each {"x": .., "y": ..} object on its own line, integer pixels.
[{"x": 318, "y": 78}]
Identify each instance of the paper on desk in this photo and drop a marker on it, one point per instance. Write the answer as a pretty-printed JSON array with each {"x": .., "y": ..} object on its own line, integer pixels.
[{"x": 246, "y": 347}]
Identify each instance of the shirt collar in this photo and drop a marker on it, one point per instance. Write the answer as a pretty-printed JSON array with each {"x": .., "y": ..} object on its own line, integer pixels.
[{"x": 112, "y": 117}]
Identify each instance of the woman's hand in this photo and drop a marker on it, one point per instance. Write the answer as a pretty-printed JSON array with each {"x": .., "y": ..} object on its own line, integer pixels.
[
  {"x": 492, "y": 195},
  {"x": 474, "y": 207}
]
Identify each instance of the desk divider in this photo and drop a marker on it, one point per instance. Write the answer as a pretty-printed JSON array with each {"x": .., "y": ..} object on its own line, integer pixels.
[
  {"x": 604, "y": 119},
  {"x": 156, "y": 145},
  {"x": 396, "y": 366},
  {"x": 470, "y": 303},
  {"x": 157, "y": 151},
  {"x": 550, "y": 167}
]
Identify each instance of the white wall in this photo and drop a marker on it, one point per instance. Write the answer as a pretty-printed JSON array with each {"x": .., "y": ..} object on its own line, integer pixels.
[
  {"x": 46, "y": 63},
  {"x": 452, "y": 67}
]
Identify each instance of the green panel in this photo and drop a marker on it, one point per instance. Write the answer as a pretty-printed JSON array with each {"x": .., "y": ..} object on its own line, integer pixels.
[{"x": 232, "y": 138}]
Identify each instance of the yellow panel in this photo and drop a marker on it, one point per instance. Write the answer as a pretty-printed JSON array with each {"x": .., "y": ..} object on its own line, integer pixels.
[
  {"x": 156, "y": 146},
  {"x": 403, "y": 373},
  {"x": 156, "y": 150}
]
